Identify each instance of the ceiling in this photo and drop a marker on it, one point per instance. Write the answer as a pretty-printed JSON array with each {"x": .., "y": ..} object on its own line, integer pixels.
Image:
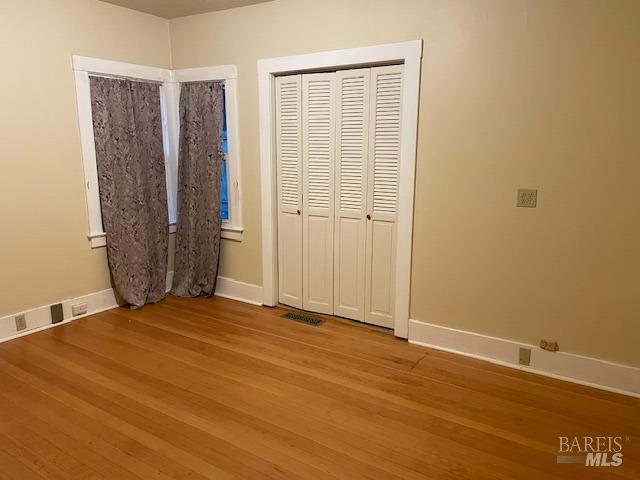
[{"x": 181, "y": 8}]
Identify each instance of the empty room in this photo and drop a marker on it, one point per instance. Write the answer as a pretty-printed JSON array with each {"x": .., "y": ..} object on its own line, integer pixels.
[{"x": 320, "y": 239}]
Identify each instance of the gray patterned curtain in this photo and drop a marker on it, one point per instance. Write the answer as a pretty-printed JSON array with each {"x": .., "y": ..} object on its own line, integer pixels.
[
  {"x": 199, "y": 171},
  {"x": 132, "y": 184}
]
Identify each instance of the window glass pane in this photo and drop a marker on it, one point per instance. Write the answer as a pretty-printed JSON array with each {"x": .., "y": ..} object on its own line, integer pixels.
[
  {"x": 225, "y": 145},
  {"x": 224, "y": 210}
]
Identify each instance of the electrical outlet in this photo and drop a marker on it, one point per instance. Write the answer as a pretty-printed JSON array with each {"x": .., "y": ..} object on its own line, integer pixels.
[
  {"x": 524, "y": 357},
  {"x": 549, "y": 345},
  {"x": 21, "y": 322},
  {"x": 78, "y": 309},
  {"x": 527, "y": 198}
]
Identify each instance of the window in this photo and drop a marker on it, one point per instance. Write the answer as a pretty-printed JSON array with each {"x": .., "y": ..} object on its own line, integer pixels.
[
  {"x": 231, "y": 212},
  {"x": 224, "y": 207}
]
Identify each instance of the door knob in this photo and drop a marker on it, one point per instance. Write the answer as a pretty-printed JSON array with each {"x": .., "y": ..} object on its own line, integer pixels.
[
  {"x": 298, "y": 212},
  {"x": 368, "y": 217}
]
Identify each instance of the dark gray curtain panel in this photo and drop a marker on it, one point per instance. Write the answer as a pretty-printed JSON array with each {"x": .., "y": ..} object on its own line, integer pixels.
[
  {"x": 133, "y": 191},
  {"x": 199, "y": 171}
]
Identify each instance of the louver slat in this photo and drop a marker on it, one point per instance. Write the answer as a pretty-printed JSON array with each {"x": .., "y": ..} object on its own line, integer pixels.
[
  {"x": 318, "y": 118},
  {"x": 352, "y": 154},
  {"x": 289, "y": 143},
  {"x": 386, "y": 142}
]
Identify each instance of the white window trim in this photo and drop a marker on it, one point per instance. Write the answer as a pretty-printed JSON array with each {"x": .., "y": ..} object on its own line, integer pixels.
[
  {"x": 170, "y": 94},
  {"x": 408, "y": 53},
  {"x": 233, "y": 228}
]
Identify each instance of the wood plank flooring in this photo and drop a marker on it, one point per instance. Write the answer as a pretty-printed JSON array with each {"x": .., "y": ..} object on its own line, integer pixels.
[{"x": 218, "y": 389}]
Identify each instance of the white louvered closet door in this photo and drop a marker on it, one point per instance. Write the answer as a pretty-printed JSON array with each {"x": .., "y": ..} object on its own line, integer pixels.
[
  {"x": 382, "y": 193},
  {"x": 318, "y": 158},
  {"x": 289, "y": 166},
  {"x": 352, "y": 147}
]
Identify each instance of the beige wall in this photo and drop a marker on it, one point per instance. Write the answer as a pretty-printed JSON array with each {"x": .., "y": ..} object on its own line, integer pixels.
[
  {"x": 44, "y": 252},
  {"x": 531, "y": 93}
]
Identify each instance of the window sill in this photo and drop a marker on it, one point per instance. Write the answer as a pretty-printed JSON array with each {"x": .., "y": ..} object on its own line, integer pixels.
[
  {"x": 228, "y": 232},
  {"x": 98, "y": 239},
  {"x": 232, "y": 232}
]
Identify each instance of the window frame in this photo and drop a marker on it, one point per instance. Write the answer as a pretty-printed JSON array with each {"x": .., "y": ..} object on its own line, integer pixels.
[{"x": 170, "y": 81}]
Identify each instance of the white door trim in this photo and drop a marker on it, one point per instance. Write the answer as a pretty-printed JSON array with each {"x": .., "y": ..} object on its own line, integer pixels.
[{"x": 408, "y": 53}]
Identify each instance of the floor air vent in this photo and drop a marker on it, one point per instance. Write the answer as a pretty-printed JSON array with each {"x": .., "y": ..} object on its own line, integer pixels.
[{"x": 304, "y": 319}]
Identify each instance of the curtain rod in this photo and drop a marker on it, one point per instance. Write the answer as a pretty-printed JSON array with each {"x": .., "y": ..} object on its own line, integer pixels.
[
  {"x": 123, "y": 77},
  {"x": 142, "y": 80},
  {"x": 222, "y": 81}
]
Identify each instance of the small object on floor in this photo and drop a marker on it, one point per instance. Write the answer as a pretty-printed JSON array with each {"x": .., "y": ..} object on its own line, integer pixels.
[{"x": 304, "y": 319}]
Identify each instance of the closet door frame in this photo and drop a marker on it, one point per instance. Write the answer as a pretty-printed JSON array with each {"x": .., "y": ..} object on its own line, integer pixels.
[{"x": 407, "y": 53}]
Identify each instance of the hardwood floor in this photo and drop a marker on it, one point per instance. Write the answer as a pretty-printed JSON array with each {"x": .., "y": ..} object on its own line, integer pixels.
[{"x": 217, "y": 389}]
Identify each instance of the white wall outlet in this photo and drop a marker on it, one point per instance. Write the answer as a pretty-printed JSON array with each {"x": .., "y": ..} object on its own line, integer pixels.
[{"x": 79, "y": 309}]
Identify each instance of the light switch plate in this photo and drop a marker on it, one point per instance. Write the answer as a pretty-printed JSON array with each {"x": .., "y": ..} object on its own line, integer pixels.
[{"x": 527, "y": 198}]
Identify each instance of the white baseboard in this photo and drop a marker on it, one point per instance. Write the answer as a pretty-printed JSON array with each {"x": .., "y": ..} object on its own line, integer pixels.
[
  {"x": 588, "y": 371},
  {"x": 233, "y": 289},
  {"x": 169, "y": 280},
  {"x": 40, "y": 318},
  {"x": 237, "y": 290}
]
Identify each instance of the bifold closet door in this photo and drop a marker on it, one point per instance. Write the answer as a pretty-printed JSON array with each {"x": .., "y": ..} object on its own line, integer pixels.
[
  {"x": 382, "y": 193},
  {"x": 352, "y": 153},
  {"x": 318, "y": 158},
  {"x": 289, "y": 173},
  {"x": 337, "y": 229}
]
